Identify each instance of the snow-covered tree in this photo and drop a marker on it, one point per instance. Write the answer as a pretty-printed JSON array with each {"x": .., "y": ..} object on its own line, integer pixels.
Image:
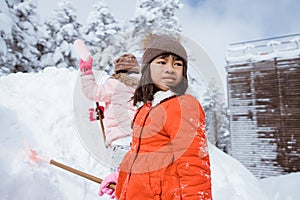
[
  {"x": 62, "y": 29},
  {"x": 157, "y": 14},
  {"x": 23, "y": 54},
  {"x": 154, "y": 16},
  {"x": 216, "y": 118},
  {"x": 100, "y": 36},
  {"x": 5, "y": 34}
]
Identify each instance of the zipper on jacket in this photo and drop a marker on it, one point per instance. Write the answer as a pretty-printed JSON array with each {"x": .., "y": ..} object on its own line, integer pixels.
[
  {"x": 140, "y": 138},
  {"x": 143, "y": 125}
]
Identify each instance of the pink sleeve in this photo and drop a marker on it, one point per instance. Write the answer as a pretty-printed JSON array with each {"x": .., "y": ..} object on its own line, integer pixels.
[{"x": 95, "y": 92}]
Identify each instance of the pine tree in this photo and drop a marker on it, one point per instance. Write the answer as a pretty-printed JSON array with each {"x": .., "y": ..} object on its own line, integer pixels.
[
  {"x": 155, "y": 16},
  {"x": 23, "y": 54},
  {"x": 100, "y": 35},
  {"x": 62, "y": 29},
  {"x": 216, "y": 118},
  {"x": 5, "y": 35}
]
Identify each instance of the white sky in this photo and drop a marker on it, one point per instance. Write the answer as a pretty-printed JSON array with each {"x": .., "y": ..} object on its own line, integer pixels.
[{"x": 213, "y": 24}]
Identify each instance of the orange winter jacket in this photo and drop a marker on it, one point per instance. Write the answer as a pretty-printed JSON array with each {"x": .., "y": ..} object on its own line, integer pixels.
[{"x": 168, "y": 159}]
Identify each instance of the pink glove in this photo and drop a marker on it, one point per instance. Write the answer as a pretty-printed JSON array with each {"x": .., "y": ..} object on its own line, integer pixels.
[
  {"x": 86, "y": 67},
  {"x": 110, "y": 179}
]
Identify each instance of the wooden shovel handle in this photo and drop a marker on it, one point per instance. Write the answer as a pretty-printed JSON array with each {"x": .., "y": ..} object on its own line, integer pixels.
[{"x": 80, "y": 173}]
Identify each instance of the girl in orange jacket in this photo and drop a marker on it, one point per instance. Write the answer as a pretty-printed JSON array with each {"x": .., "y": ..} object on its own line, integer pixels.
[{"x": 169, "y": 157}]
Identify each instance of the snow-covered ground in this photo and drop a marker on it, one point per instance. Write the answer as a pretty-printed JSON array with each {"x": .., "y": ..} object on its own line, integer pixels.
[{"x": 38, "y": 109}]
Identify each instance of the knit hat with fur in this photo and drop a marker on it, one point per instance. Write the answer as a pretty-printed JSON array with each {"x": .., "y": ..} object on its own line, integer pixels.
[
  {"x": 160, "y": 44},
  {"x": 126, "y": 62}
]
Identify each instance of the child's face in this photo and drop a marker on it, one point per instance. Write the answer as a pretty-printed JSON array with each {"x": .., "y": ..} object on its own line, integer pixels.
[{"x": 166, "y": 71}]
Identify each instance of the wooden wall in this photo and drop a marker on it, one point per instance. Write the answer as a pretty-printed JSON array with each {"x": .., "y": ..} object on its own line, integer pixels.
[{"x": 264, "y": 110}]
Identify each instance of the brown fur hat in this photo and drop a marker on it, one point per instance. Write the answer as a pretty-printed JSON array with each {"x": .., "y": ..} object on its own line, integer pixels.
[{"x": 127, "y": 62}]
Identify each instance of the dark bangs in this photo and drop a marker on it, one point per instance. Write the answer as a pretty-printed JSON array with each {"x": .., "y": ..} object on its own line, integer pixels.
[{"x": 146, "y": 88}]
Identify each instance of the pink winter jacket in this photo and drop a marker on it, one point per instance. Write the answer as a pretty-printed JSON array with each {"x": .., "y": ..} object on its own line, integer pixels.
[{"x": 119, "y": 109}]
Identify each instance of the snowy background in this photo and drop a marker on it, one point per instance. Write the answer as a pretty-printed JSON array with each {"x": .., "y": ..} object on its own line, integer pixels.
[
  {"x": 212, "y": 23},
  {"x": 38, "y": 108}
]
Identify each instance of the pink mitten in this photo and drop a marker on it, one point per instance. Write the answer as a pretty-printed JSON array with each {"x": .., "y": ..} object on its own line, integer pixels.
[
  {"x": 94, "y": 114},
  {"x": 86, "y": 67},
  {"x": 110, "y": 179}
]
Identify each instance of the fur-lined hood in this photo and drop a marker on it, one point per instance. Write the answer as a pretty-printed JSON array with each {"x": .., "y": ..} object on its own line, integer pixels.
[{"x": 158, "y": 98}]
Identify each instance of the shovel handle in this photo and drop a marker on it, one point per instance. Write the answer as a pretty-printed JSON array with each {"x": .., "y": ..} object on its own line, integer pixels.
[{"x": 80, "y": 173}]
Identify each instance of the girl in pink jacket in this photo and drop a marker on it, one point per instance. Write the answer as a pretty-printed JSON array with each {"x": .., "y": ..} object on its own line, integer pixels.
[{"x": 116, "y": 93}]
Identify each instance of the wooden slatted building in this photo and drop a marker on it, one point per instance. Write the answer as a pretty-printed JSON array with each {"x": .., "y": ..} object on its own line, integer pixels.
[{"x": 263, "y": 79}]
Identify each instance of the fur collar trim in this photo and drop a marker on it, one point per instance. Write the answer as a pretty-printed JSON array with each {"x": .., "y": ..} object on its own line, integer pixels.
[
  {"x": 158, "y": 98},
  {"x": 131, "y": 80}
]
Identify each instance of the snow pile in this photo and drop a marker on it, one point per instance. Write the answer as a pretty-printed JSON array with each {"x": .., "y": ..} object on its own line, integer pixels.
[
  {"x": 282, "y": 187},
  {"x": 38, "y": 108},
  {"x": 232, "y": 180}
]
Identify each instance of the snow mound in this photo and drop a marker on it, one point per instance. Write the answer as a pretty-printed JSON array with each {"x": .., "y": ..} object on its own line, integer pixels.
[
  {"x": 38, "y": 108},
  {"x": 282, "y": 187},
  {"x": 231, "y": 180}
]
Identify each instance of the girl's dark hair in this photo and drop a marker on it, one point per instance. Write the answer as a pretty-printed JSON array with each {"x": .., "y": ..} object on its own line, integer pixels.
[
  {"x": 146, "y": 88},
  {"x": 126, "y": 72}
]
